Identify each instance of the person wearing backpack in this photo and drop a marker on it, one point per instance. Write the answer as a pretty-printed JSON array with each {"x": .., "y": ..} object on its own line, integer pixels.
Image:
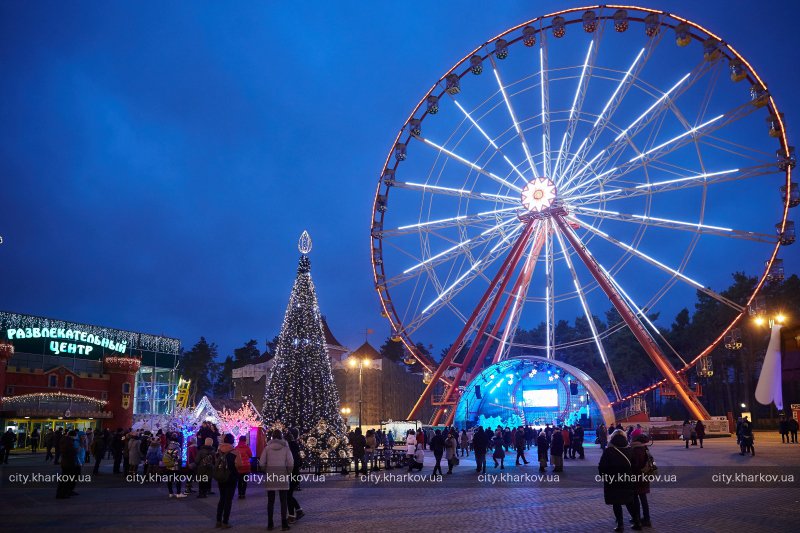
[
  {"x": 243, "y": 455},
  {"x": 205, "y": 467},
  {"x": 643, "y": 465},
  {"x": 226, "y": 474},
  {"x": 172, "y": 463},
  {"x": 292, "y": 505},
  {"x": 278, "y": 464},
  {"x": 616, "y": 468},
  {"x": 154, "y": 457}
]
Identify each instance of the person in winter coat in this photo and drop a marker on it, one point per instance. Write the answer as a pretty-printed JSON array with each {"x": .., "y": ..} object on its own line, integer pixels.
[
  {"x": 464, "y": 443},
  {"x": 116, "y": 449},
  {"x": 171, "y": 458},
  {"x": 134, "y": 452},
  {"x": 153, "y": 456},
  {"x": 569, "y": 453},
  {"x": 191, "y": 464},
  {"x": 98, "y": 449},
  {"x": 451, "y": 451},
  {"x": 557, "y": 450},
  {"x": 417, "y": 460},
  {"x": 616, "y": 468},
  {"x": 700, "y": 430},
  {"x": 278, "y": 464},
  {"x": 641, "y": 487},
  {"x": 421, "y": 438},
  {"x": 783, "y": 429},
  {"x": 49, "y": 439},
  {"x": 205, "y": 467},
  {"x": 69, "y": 466},
  {"x": 437, "y": 447},
  {"x": 359, "y": 452},
  {"x": 747, "y": 438},
  {"x": 244, "y": 455},
  {"x": 480, "y": 445},
  {"x": 370, "y": 450},
  {"x": 411, "y": 442},
  {"x": 541, "y": 447},
  {"x": 602, "y": 436},
  {"x": 577, "y": 442},
  {"x": 519, "y": 442},
  {"x": 793, "y": 426},
  {"x": 687, "y": 432},
  {"x": 292, "y": 505},
  {"x": 499, "y": 452},
  {"x": 227, "y": 487}
]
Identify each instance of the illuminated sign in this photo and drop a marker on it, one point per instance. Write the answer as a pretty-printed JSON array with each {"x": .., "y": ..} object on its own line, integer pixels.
[
  {"x": 82, "y": 340},
  {"x": 540, "y": 397}
]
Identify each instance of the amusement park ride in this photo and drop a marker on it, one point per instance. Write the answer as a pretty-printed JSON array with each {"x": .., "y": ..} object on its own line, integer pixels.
[{"x": 665, "y": 141}]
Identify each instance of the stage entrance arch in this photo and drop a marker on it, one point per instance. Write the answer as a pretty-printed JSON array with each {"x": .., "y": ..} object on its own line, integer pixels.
[{"x": 532, "y": 390}]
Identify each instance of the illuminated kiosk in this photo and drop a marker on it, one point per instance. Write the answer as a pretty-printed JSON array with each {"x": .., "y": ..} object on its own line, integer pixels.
[{"x": 531, "y": 390}]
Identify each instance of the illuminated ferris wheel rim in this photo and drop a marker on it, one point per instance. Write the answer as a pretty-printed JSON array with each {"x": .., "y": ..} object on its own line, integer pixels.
[{"x": 666, "y": 20}]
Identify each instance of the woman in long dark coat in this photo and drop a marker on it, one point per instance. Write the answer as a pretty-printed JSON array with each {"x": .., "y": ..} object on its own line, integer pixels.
[
  {"x": 617, "y": 471},
  {"x": 641, "y": 487}
]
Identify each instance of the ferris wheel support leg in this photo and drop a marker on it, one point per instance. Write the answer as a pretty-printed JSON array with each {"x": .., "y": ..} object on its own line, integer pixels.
[
  {"x": 505, "y": 270},
  {"x": 647, "y": 342},
  {"x": 462, "y": 367}
]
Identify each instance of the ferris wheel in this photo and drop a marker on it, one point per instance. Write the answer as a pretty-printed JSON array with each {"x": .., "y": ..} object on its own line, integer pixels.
[{"x": 594, "y": 155}]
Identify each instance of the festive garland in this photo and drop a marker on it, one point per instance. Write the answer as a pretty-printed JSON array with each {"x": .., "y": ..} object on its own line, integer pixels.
[
  {"x": 128, "y": 364},
  {"x": 238, "y": 422},
  {"x": 50, "y": 396}
]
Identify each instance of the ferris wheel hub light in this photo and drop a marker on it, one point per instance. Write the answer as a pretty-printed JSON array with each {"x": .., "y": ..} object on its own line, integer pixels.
[{"x": 538, "y": 195}]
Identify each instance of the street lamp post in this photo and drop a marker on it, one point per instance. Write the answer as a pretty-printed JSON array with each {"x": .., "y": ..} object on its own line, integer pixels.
[{"x": 353, "y": 361}]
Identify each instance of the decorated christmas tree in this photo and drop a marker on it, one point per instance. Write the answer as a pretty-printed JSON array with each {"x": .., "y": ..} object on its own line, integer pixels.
[{"x": 301, "y": 392}]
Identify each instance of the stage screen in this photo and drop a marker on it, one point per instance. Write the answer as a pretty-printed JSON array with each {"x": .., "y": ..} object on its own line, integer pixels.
[{"x": 540, "y": 397}]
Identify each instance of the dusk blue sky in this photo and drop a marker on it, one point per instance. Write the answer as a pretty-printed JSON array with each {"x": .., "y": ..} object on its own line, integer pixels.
[{"x": 159, "y": 160}]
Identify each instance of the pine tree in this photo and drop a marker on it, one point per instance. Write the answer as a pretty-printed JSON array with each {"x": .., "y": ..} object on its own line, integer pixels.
[{"x": 301, "y": 392}]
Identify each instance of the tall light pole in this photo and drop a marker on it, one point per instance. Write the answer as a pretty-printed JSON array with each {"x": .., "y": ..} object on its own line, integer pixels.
[{"x": 353, "y": 361}]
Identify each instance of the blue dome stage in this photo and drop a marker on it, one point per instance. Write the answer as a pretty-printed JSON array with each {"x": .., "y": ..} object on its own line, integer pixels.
[{"x": 532, "y": 390}]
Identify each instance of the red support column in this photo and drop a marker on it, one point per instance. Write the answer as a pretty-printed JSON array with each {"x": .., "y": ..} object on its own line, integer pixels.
[
  {"x": 649, "y": 344},
  {"x": 511, "y": 260}
]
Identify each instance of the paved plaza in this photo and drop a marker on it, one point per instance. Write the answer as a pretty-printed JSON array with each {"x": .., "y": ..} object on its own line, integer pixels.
[{"x": 459, "y": 501}]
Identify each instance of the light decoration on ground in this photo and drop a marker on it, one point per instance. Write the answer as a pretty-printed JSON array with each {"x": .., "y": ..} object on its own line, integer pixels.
[
  {"x": 301, "y": 393},
  {"x": 53, "y": 397},
  {"x": 238, "y": 422}
]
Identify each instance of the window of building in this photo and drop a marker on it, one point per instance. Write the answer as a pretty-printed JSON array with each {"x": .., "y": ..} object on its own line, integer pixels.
[
  {"x": 68, "y": 382},
  {"x": 126, "y": 388},
  {"x": 104, "y": 395},
  {"x": 52, "y": 381},
  {"x": 9, "y": 390}
]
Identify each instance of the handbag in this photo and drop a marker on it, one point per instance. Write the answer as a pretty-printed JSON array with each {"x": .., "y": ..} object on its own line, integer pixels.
[{"x": 454, "y": 460}]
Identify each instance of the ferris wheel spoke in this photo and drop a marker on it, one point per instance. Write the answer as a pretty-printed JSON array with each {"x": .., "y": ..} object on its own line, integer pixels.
[
  {"x": 692, "y": 227},
  {"x": 470, "y": 164},
  {"x": 658, "y": 264},
  {"x": 651, "y": 114},
  {"x": 657, "y": 187},
  {"x": 451, "y": 191},
  {"x": 461, "y": 247},
  {"x": 610, "y": 107},
  {"x": 666, "y": 147},
  {"x": 574, "y": 112},
  {"x": 464, "y": 280},
  {"x": 457, "y": 221},
  {"x": 549, "y": 292},
  {"x": 588, "y": 313},
  {"x": 491, "y": 141},
  {"x": 544, "y": 87},
  {"x": 513, "y": 118}
]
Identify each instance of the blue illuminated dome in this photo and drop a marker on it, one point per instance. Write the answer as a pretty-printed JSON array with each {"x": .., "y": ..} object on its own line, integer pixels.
[{"x": 535, "y": 391}]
